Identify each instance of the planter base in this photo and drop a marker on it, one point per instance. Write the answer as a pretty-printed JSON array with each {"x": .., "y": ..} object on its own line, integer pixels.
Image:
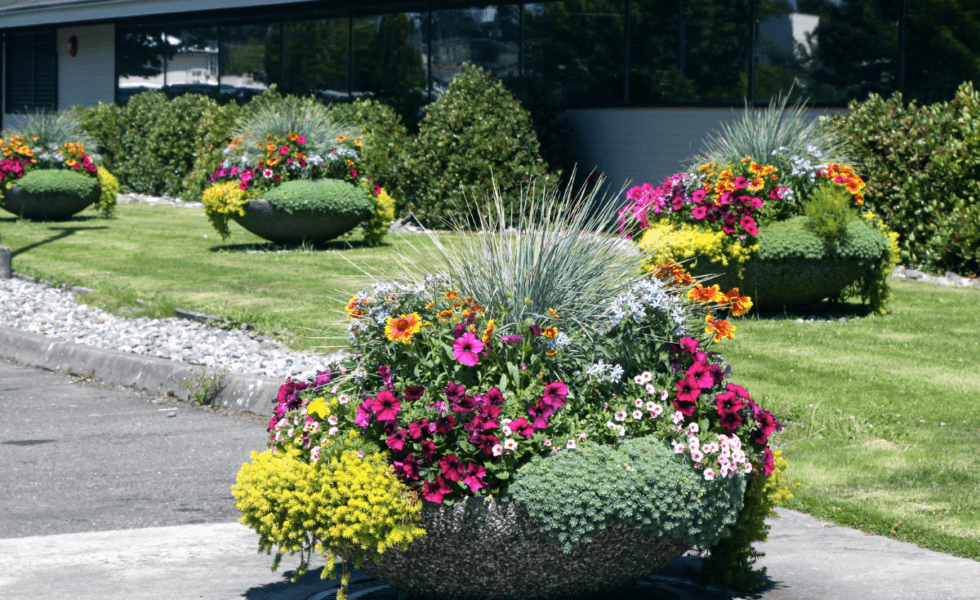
[
  {"x": 49, "y": 206},
  {"x": 481, "y": 548},
  {"x": 268, "y": 222}
]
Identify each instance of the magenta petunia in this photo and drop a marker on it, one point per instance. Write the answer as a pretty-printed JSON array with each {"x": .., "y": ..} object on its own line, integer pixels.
[
  {"x": 464, "y": 405},
  {"x": 728, "y": 402},
  {"x": 445, "y": 424},
  {"x": 730, "y": 420},
  {"x": 555, "y": 394},
  {"x": 749, "y": 226},
  {"x": 301, "y": 140},
  {"x": 467, "y": 349},
  {"x": 413, "y": 393},
  {"x": 364, "y": 414},
  {"x": 385, "y": 373},
  {"x": 407, "y": 468},
  {"x": 768, "y": 462},
  {"x": 396, "y": 441},
  {"x": 699, "y": 212},
  {"x": 685, "y": 407},
  {"x": 690, "y": 344},
  {"x": 739, "y": 391},
  {"x": 418, "y": 429},
  {"x": 428, "y": 451},
  {"x": 494, "y": 397},
  {"x": 452, "y": 468},
  {"x": 474, "y": 476},
  {"x": 386, "y": 406},
  {"x": 688, "y": 390},
  {"x": 454, "y": 391},
  {"x": 521, "y": 426},
  {"x": 433, "y": 491},
  {"x": 701, "y": 374}
]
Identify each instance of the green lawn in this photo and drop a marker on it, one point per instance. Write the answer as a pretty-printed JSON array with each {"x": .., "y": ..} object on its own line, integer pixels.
[
  {"x": 882, "y": 429},
  {"x": 168, "y": 256}
]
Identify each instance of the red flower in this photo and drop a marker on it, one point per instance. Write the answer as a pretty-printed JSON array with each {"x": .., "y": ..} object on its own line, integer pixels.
[
  {"x": 428, "y": 451},
  {"x": 452, "y": 468},
  {"x": 396, "y": 441},
  {"x": 408, "y": 468},
  {"x": 413, "y": 393},
  {"x": 728, "y": 403},
  {"x": 768, "y": 462},
  {"x": 418, "y": 429},
  {"x": 730, "y": 420},
  {"x": 444, "y": 425},
  {"x": 454, "y": 391},
  {"x": 434, "y": 491},
  {"x": 385, "y": 406}
]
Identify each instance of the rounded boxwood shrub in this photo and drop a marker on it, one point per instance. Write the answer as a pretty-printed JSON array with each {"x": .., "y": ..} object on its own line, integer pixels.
[
  {"x": 58, "y": 181},
  {"x": 51, "y": 194},
  {"x": 638, "y": 484},
  {"x": 795, "y": 238},
  {"x": 321, "y": 196}
]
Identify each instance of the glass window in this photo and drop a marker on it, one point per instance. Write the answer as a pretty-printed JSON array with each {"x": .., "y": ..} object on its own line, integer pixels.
[
  {"x": 486, "y": 36},
  {"x": 249, "y": 58},
  {"x": 391, "y": 60},
  {"x": 577, "y": 45},
  {"x": 317, "y": 58},
  {"x": 656, "y": 48},
  {"x": 192, "y": 60},
  {"x": 829, "y": 51},
  {"x": 141, "y": 60},
  {"x": 942, "y": 48},
  {"x": 715, "y": 49}
]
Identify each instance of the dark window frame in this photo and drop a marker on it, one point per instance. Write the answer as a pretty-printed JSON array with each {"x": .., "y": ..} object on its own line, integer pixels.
[{"x": 43, "y": 85}]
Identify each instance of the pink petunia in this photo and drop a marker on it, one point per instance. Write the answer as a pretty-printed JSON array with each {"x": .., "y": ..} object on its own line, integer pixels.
[
  {"x": 474, "y": 476},
  {"x": 284, "y": 150},
  {"x": 428, "y": 451},
  {"x": 467, "y": 349},
  {"x": 555, "y": 394},
  {"x": 433, "y": 491},
  {"x": 452, "y": 468},
  {"x": 301, "y": 140},
  {"x": 396, "y": 441},
  {"x": 699, "y": 212}
]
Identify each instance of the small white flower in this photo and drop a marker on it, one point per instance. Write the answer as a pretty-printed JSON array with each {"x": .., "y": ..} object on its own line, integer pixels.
[
  {"x": 620, "y": 430},
  {"x": 748, "y": 467},
  {"x": 333, "y": 431},
  {"x": 663, "y": 395},
  {"x": 497, "y": 450},
  {"x": 656, "y": 411},
  {"x": 638, "y": 403},
  {"x": 360, "y": 454},
  {"x": 610, "y": 425},
  {"x": 650, "y": 405},
  {"x": 738, "y": 456},
  {"x": 267, "y": 173},
  {"x": 343, "y": 399},
  {"x": 650, "y": 389},
  {"x": 621, "y": 415},
  {"x": 510, "y": 444},
  {"x": 693, "y": 442},
  {"x": 315, "y": 454},
  {"x": 677, "y": 417},
  {"x": 583, "y": 435},
  {"x": 506, "y": 430},
  {"x": 638, "y": 380},
  {"x": 693, "y": 428},
  {"x": 679, "y": 447},
  {"x": 335, "y": 389},
  {"x": 725, "y": 470},
  {"x": 637, "y": 414},
  {"x": 333, "y": 420},
  {"x": 314, "y": 426},
  {"x": 570, "y": 444},
  {"x": 289, "y": 433},
  {"x": 647, "y": 376},
  {"x": 696, "y": 455},
  {"x": 709, "y": 474},
  {"x": 547, "y": 442},
  {"x": 710, "y": 448}
]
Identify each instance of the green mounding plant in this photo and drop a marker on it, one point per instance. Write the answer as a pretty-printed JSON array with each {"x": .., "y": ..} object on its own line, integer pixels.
[
  {"x": 55, "y": 128},
  {"x": 303, "y": 116},
  {"x": 559, "y": 255},
  {"x": 759, "y": 134},
  {"x": 829, "y": 212}
]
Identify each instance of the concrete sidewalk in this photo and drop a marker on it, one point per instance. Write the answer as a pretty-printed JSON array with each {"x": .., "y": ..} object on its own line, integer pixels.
[{"x": 806, "y": 559}]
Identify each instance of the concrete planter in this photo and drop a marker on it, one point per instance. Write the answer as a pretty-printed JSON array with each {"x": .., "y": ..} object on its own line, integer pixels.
[
  {"x": 481, "y": 548},
  {"x": 47, "y": 206},
  {"x": 774, "y": 284},
  {"x": 268, "y": 222}
]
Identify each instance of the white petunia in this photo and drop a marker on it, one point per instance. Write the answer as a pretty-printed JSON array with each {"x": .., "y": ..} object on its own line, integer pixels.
[
  {"x": 333, "y": 420},
  {"x": 621, "y": 415},
  {"x": 570, "y": 444},
  {"x": 709, "y": 474},
  {"x": 510, "y": 444},
  {"x": 497, "y": 450},
  {"x": 637, "y": 414}
]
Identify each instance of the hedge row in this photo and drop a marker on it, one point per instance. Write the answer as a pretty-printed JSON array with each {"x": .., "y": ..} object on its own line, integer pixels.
[
  {"x": 476, "y": 134},
  {"x": 922, "y": 167}
]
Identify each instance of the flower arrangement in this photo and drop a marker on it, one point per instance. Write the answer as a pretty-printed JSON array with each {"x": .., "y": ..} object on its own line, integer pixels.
[
  {"x": 22, "y": 155},
  {"x": 457, "y": 394}
]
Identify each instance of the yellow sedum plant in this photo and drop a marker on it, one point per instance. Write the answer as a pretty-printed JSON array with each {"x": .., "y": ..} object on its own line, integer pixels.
[
  {"x": 221, "y": 201},
  {"x": 110, "y": 191},
  {"x": 341, "y": 503},
  {"x": 690, "y": 241},
  {"x": 382, "y": 214}
]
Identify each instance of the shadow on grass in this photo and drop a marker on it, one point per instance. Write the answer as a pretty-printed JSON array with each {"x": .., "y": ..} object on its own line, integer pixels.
[
  {"x": 821, "y": 310},
  {"x": 64, "y": 233},
  {"x": 273, "y": 248}
]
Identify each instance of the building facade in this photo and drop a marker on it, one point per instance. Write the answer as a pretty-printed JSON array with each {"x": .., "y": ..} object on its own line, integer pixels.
[{"x": 641, "y": 81}]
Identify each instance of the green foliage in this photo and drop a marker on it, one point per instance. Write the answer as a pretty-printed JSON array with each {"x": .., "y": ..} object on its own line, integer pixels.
[
  {"x": 795, "y": 238},
  {"x": 729, "y": 563},
  {"x": 58, "y": 181},
  {"x": 829, "y": 212},
  {"x": 110, "y": 191},
  {"x": 322, "y": 196},
  {"x": 102, "y": 123},
  {"x": 922, "y": 166},
  {"x": 640, "y": 483},
  {"x": 53, "y": 128},
  {"x": 543, "y": 104},
  {"x": 474, "y": 136},
  {"x": 758, "y": 134},
  {"x": 382, "y": 214},
  {"x": 217, "y": 122},
  {"x": 385, "y": 139}
]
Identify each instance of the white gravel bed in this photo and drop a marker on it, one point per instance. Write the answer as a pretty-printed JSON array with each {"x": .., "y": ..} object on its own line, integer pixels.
[{"x": 40, "y": 308}]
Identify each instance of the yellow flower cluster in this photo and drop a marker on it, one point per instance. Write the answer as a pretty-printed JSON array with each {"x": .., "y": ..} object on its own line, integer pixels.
[
  {"x": 223, "y": 200},
  {"x": 346, "y": 504},
  {"x": 688, "y": 241}
]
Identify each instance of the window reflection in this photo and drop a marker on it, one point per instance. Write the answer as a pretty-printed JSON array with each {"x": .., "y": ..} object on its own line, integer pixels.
[
  {"x": 141, "y": 61},
  {"x": 486, "y": 36},
  {"x": 192, "y": 60},
  {"x": 656, "y": 53},
  {"x": 715, "y": 57},
  {"x": 942, "y": 48},
  {"x": 391, "y": 60},
  {"x": 577, "y": 45},
  {"x": 317, "y": 58},
  {"x": 250, "y": 58}
]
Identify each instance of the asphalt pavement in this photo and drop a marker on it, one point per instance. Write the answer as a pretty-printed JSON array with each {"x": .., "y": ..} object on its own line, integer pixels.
[{"x": 114, "y": 494}]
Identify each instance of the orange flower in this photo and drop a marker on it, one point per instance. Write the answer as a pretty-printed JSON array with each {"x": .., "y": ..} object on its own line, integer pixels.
[
  {"x": 550, "y": 332},
  {"x": 551, "y": 353},
  {"x": 292, "y": 137},
  {"x": 747, "y": 159},
  {"x": 487, "y": 332},
  {"x": 353, "y": 308},
  {"x": 756, "y": 184},
  {"x": 552, "y": 312},
  {"x": 403, "y": 328},
  {"x": 445, "y": 314},
  {"x": 739, "y": 304},
  {"x": 703, "y": 294},
  {"x": 451, "y": 295},
  {"x": 430, "y": 305},
  {"x": 720, "y": 329},
  {"x": 476, "y": 308},
  {"x": 343, "y": 138}
]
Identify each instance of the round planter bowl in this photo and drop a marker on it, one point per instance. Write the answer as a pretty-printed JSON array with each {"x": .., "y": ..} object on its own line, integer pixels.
[
  {"x": 268, "y": 222},
  {"x": 480, "y": 548},
  {"x": 774, "y": 284},
  {"x": 47, "y": 206}
]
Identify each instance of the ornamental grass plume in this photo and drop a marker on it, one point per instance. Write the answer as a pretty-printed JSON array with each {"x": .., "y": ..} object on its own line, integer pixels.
[
  {"x": 55, "y": 128},
  {"x": 560, "y": 256},
  {"x": 293, "y": 115}
]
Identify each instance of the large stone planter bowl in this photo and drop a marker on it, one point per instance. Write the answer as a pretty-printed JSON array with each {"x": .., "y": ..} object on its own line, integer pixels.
[
  {"x": 774, "y": 284},
  {"x": 268, "y": 222},
  {"x": 53, "y": 205},
  {"x": 481, "y": 548}
]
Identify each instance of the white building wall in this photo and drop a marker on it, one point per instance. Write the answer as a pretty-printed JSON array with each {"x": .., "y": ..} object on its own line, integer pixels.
[
  {"x": 645, "y": 145},
  {"x": 89, "y": 77}
]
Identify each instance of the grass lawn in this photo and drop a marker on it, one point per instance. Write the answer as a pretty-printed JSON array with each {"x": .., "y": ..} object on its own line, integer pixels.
[
  {"x": 167, "y": 256},
  {"x": 883, "y": 429}
]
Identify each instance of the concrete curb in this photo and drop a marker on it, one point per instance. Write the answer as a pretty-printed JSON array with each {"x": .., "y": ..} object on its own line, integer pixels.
[{"x": 145, "y": 373}]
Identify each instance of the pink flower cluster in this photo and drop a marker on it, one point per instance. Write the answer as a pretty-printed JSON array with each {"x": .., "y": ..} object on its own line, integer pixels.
[{"x": 645, "y": 198}]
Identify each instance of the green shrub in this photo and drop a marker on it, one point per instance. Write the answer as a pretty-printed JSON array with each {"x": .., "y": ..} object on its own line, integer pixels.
[
  {"x": 922, "y": 167},
  {"x": 554, "y": 132},
  {"x": 795, "y": 239},
  {"x": 323, "y": 196},
  {"x": 48, "y": 181},
  {"x": 829, "y": 212},
  {"x": 385, "y": 139},
  {"x": 102, "y": 124},
  {"x": 475, "y": 134},
  {"x": 640, "y": 483},
  {"x": 217, "y": 122}
]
